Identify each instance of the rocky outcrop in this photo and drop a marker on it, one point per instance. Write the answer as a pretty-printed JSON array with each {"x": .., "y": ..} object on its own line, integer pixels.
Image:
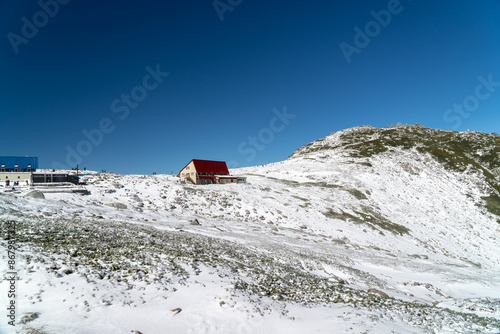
[
  {"x": 116, "y": 205},
  {"x": 35, "y": 194}
]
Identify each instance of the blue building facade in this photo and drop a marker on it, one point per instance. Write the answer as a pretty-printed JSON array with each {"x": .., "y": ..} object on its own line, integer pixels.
[{"x": 18, "y": 164}]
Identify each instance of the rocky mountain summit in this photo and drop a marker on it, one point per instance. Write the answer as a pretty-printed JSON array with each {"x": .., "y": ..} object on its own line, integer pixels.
[{"x": 469, "y": 152}]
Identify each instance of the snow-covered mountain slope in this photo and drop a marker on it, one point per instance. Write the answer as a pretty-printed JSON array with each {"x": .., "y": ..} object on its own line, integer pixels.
[{"x": 408, "y": 211}]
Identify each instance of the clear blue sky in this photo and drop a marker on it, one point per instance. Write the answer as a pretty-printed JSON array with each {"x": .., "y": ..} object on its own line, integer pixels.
[{"x": 73, "y": 66}]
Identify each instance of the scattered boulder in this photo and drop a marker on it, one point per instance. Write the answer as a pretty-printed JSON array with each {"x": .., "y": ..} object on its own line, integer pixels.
[
  {"x": 194, "y": 222},
  {"x": 116, "y": 205},
  {"x": 378, "y": 292},
  {"x": 416, "y": 256},
  {"x": 35, "y": 194},
  {"x": 30, "y": 316},
  {"x": 338, "y": 279},
  {"x": 177, "y": 310},
  {"x": 440, "y": 293},
  {"x": 135, "y": 197}
]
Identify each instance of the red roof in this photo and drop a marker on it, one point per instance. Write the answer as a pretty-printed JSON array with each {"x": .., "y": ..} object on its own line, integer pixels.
[{"x": 208, "y": 166}]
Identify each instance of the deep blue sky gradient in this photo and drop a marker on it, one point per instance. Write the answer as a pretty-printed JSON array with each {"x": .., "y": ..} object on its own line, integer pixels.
[{"x": 226, "y": 77}]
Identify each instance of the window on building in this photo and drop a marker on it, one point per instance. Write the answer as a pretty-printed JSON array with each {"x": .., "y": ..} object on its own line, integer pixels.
[{"x": 188, "y": 167}]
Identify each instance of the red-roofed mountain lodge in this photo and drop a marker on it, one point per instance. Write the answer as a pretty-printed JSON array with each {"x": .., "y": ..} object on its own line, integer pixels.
[{"x": 208, "y": 172}]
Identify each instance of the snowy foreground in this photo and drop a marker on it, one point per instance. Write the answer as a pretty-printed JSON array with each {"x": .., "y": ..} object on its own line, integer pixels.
[{"x": 293, "y": 251}]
